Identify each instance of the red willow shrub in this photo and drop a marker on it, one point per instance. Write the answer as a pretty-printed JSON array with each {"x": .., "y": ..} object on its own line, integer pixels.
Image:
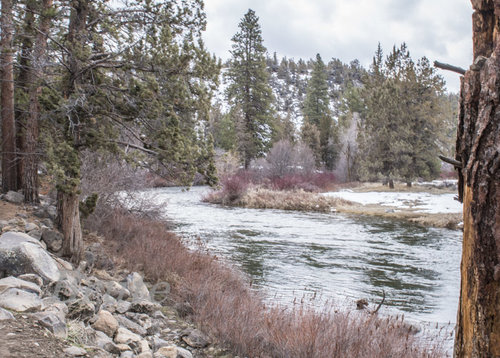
[{"x": 226, "y": 306}]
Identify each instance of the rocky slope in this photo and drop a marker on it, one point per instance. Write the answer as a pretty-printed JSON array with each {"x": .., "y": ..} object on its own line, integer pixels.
[{"x": 48, "y": 308}]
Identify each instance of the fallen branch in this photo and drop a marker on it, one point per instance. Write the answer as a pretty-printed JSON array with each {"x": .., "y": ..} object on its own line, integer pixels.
[
  {"x": 445, "y": 66},
  {"x": 380, "y": 304},
  {"x": 453, "y": 162}
]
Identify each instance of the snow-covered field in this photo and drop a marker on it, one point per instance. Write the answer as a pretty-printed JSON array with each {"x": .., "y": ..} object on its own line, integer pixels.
[{"x": 420, "y": 202}]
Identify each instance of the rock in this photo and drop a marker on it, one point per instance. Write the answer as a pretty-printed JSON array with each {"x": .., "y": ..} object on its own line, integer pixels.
[
  {"x": 184, "y": 309},
  {"x": 144, "y": 306},
  {"x": 81, "y": 309},
  {"x": 112, "y": 348},
  {"x": 13, "y": 282},
  {"x": 101, "y": 339},
  {"x": 31, "y": 277},
  {"x": 53, "y": 323},
  {"x": 136, "y": 286},
  {"x": 53, "y": 239},
  {"x": 144, "y": 346},
  {"x": 14, "y": 197},
  {"x": 64, "y": 289},
  {"x": 123, "y": 347},
  {"x": 159, "y": 343},
  {"x": 58, "y": 308},
  {"x": 20, "y": 254},
  {"x": 131, "y": 325},
  {"x": 145, "y": 355},
  {"x": 109, "y": 303},
  {"x": 46, "y": 212},
  {"x": 106, "y": 323},
  {"x": 173, "y": 352},
  {"x": 5, "y": 315},
  {"x": 75, "y": 351},
  {"x": 30, "y": 227},
  {"x": 124, "y": 336},
  {"x": 127, "y": 354},
  {"x": 123, "y": 306},
  {"x": 18, "y": 300},
  {"x": 114, "y": 289},
  {"x": 3, "y": 223},
  {"x": 195, "y": 338}
]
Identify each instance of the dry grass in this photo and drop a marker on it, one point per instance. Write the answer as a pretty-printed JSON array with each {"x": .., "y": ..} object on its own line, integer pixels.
[{"x": 225, "y": 305}]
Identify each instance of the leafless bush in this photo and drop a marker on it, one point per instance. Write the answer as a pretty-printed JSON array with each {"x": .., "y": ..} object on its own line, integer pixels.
[{"x": 286, "y": 158}]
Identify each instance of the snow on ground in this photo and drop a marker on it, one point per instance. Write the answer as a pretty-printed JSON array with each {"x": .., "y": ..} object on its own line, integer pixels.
[{"x": 420, "y": 202}]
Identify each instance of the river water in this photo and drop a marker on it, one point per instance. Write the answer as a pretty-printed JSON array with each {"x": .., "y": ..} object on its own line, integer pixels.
[{"x": 328, "y": 256}]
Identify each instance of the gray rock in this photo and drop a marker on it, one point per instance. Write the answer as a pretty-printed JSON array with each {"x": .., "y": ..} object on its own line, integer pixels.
[
  {"x": 195, "y": 338},
  {"x": 173, "y": 352},
  {"x": 75, "y": 351},
  {"x": 158, "y": 315},
  {"x": 114, "y": 289},
  {"x": 18, "y": 300},
  {"x": 124, "y": 336},
  {"x": 111, "y": 347},
  {"x": 81, "y": 308},
  {"x": 5, "y": 315},
  {"x": 3, "y": 223},
  {"x": 53, "y": 239},
  {"x": 14, "y": 197},
  {"x": 123, "y": 307},
  {"x": 53, "y": 323},
  {"x": 64, "y": 289},
  {"x": 13, "y": 282},
  {"x": 127, "y": 354},
  {"x": 131, "y": 325},
  {"x": 145, "y": 355},
  {"x": 20, "y": 254},
  {"x": 46, "y": 212},
  {"x": 30, "y": 227},
  {"x": 58, "y": 308},
  {"x": 158, "y": 343},
  {"x": 31, "y": 277},
  {"x": 136, "y": 286},
  {"x": 144, "y": 306},
  {"x": 109, "y": 303}
]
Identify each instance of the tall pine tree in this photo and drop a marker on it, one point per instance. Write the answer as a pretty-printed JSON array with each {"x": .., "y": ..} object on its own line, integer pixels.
[{"x": 249, "y": 90}]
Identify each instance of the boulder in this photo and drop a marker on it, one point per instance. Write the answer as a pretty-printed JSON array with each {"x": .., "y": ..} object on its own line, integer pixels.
[
  {"x": 53, "y": 323},
  {"x": 144, "y": 306},
  {"x": 136, "y": 286},
  {"x": 106, "y": 323},
  {"x": 13, "y": 282},
  {"x": 159, "y": 343},
  {"x": 195, "y": 338},
  {"x": 21, "y": 254},
  {"x": 173, "y": 352},
  {"x": 14, "y": 197},
  {"x": 5, "y": 315},
  {"x": 81, "y": 308},
  {"x": 30, "y": 227},
  {"x": 74, "y": 351},
  {"x": 127, "y": 354},
  {"x": 18, "y": 300},
  {"x": 53, "y": 239},
  {"x": 117, "y": 291},
  {"x": 64, "y": 289},
  {"x": 131, "y": 325},
  {"x": 31, "y": 277},
  {"x": 109, "y": 303},
  {"x": 124, "y": 336},
  {"x": 123, "y": 306}
]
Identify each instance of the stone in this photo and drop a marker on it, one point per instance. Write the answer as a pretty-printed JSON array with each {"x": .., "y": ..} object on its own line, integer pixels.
[
  {"x": 109, "y": 303},
  {"x": 195, "y": 338},
  {"x": 145, "y": 355},
  {"x": 114, "y": 289},
  {"x": 81, "y": 308},
  {"x": 14, "y": 197},
  {"x": 13, "y": 282},
  {"x": 173, "y": 352},
  {"x": 64, "y": 289},
  {"x": 31, "y": 277},
  {"x": 53, "y": 323},
  {"x": 30, "y": 227},
  {"x": 53, "y": 239},
  {"x": 123, "y": 307},
  {"x": 123, "y": 347},
  {"x": 136, "y": 286},
  {"x": 58, "y": 308},
  {"x": 131, "y": 325},
  {"x": 159, "y": 343},
  {"x": 75, "y": 351},
  {"x": 21, "y": 254},
  {"x": 144, "y": 347},
  {"x": 124, "y": 336},
  {"x": 101, "y": 339},
  {"x": 127, "y": 354},
  {"x": 5, "y": 315},
  {"x": 106, "y": 323},
  {"x": 18, "y": 300},
  {"x": 112, "y": 348},
  {"x": 144, "y": 306}
]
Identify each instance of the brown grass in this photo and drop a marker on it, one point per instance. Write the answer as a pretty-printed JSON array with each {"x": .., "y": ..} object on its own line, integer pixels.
[{"x": 225, "y": 305}]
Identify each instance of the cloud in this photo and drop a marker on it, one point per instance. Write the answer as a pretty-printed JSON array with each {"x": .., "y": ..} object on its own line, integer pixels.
[{"x": 437, "y": 29}]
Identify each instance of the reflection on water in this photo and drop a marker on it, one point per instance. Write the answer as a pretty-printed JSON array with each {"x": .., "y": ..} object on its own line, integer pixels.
[{"x": 338, "y": 256}]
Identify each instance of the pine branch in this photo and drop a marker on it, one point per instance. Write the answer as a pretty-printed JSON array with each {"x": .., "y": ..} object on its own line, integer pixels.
[
  {"x": 445, "y": 66},
  {"x": 453, "y": 162}
]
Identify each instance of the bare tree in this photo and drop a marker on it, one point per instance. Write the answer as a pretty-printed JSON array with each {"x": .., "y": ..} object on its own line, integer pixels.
[{"x": 478, "y": 151}]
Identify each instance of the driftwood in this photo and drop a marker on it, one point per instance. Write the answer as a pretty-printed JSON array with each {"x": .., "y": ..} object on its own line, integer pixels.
[{"x": 445, "y": 66}]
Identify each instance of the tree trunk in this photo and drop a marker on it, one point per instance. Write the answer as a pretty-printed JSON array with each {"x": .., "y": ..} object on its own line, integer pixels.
[
  {"x": 478, "y": 319},
  {"x": 408, "y": 184},
  {"x": 391, "y": 183},
  {"x": 68, "y": 220},
  {"x": 9, "y": 175},
  {"x": 30, "y": 172}
]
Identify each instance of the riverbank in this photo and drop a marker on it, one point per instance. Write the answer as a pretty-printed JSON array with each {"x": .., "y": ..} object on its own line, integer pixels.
[
  {"x": 256, "y": 197},
  {"x": 220, "y": 301}
]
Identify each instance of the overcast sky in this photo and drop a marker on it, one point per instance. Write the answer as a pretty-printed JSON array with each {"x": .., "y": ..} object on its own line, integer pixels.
[{"x": 350, "y": 29}]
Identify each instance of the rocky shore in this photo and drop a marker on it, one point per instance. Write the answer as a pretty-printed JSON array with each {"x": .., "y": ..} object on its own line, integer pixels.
[{"x": 49, "y": 308}]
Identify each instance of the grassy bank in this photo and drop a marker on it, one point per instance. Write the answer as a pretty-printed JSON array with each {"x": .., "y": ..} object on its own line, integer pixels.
[{"x": 224, "y": 304}]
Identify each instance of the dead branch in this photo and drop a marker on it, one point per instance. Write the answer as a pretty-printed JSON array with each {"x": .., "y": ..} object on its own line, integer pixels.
[
  {"x": 453, "y": 162},
  {"x": 380, "y": 304},
  {"x": 445, "y": 66}
]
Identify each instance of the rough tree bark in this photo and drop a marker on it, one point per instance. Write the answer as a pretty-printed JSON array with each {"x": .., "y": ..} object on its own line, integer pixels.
[
  {"x": 9, "y": 175},
  {"x": 478, "y": 149}
]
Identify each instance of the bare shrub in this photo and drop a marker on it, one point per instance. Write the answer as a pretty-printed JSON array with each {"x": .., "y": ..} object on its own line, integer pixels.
[
  {"x": 225, "y": 305},
  {"x": 285, "y": 158}
]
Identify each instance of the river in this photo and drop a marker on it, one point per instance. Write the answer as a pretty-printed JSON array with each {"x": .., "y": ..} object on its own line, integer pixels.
[{"x": 331, "y": 257}]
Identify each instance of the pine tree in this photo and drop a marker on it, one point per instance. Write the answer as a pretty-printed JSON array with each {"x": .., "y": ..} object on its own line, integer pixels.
[
  {"x": 317, "y": 113},
  {"x": 249, "y": 88}
]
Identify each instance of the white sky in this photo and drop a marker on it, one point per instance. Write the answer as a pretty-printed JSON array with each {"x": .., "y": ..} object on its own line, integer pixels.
[{"x": 350, "y": 29}]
